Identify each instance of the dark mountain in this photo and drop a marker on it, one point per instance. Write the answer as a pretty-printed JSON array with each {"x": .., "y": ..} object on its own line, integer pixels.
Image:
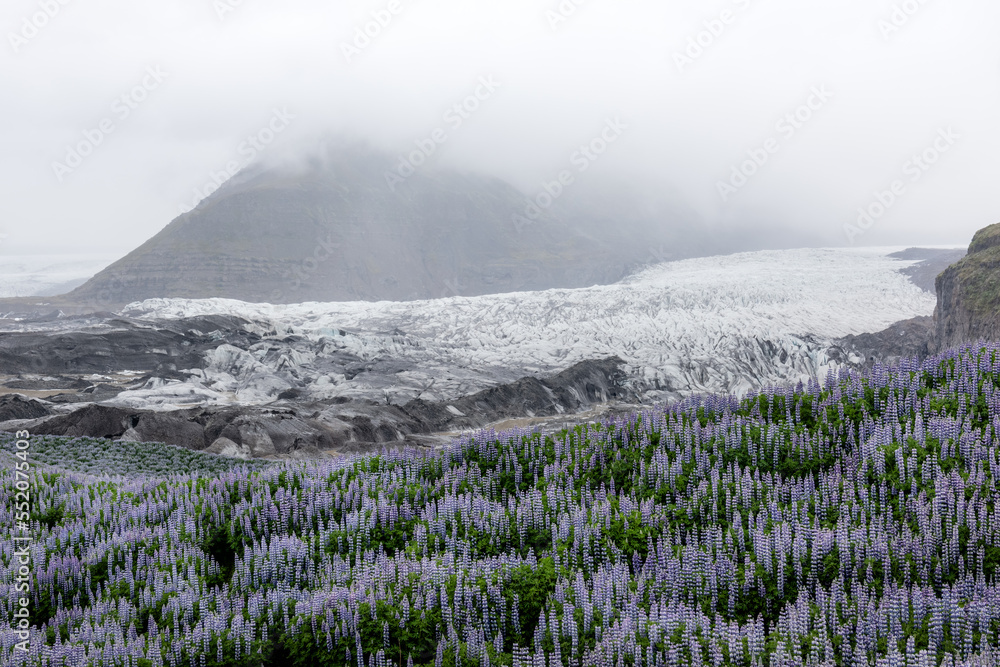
[{"x": 333, "y": 229}]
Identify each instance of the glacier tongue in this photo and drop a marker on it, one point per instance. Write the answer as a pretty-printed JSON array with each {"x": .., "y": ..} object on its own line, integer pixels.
[{"x": 722, "y": 324}]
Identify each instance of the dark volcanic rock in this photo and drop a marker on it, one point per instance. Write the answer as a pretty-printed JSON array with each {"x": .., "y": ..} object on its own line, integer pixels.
[
  {"x": 909, "y": 338},
  {"x": 95, "y": 421},
  {"x": 267, "y": 431},
  {"x": 122, "y": 344},
  {"x": 572, "y": 390},
  {"x": 42, "y": 383},
  {"x": 968, "y": 307},
  {"x": 346, "y": 426},
  {"x": 589, "y": 382},
  {"x": 93, "y": 393},
  {"x": 172, "y": 428},
  {"x": 15, "y": 406}
]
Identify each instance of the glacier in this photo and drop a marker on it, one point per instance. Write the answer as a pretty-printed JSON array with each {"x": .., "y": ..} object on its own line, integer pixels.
[
  {"x": 727, "y": 324},
  {"x": 46, "y": 275}
]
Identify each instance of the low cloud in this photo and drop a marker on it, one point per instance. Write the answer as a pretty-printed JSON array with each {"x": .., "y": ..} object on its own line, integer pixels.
[{"x": 701, "y": 85}]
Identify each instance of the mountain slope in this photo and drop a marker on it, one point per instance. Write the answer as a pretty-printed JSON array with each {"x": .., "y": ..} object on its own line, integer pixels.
[{"x": 333, "y": 230}]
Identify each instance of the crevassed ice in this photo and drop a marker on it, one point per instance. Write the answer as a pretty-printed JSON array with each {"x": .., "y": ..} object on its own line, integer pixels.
[{"x": 727, "y": 323}]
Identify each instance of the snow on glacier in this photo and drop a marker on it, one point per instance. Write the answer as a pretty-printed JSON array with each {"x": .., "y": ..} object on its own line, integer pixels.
[
  {"x": 729, "y": 323},
  {"x": 45, "y": 275}
]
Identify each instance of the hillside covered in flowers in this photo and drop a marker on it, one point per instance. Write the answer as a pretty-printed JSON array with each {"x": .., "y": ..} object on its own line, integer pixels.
[{"x": 849, "y": 523}]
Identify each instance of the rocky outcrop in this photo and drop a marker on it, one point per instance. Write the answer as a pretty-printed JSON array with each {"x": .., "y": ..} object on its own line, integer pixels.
[
  {"x": 310, "y": 429},
  {"x": 15, "y": 406},
  {"x": 577, "y": 388},
  {"x": 226, "y": 447},
  {"x": 909, "y": 338},
  {"x": 968, "y": 307},
  {"x": 169, "y": 427},
  {"x": 95, "y": 421}
]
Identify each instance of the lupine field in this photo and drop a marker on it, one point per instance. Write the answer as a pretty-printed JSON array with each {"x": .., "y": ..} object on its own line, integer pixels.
[{"x": 849, "y": 523}]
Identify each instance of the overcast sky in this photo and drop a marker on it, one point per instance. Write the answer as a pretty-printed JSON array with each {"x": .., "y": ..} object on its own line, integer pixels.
[{"x": 838, "y": 103}]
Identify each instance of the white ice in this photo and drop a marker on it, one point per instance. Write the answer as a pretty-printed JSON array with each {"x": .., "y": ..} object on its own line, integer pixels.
[
  {"x": 724, "y": 324},
  {"x": 47, "y": 275}
]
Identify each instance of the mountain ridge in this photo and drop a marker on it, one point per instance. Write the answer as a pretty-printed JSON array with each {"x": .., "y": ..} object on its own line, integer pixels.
[{"x": 330, "y": 229}]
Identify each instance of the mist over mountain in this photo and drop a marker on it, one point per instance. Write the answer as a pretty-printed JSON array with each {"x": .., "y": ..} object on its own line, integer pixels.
[{"x": 344, "y": 225}]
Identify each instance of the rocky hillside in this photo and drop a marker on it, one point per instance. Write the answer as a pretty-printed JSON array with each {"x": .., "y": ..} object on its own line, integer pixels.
[
  {"x": 332, "y": 229},
  {"x": 968, "y": 292}
]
